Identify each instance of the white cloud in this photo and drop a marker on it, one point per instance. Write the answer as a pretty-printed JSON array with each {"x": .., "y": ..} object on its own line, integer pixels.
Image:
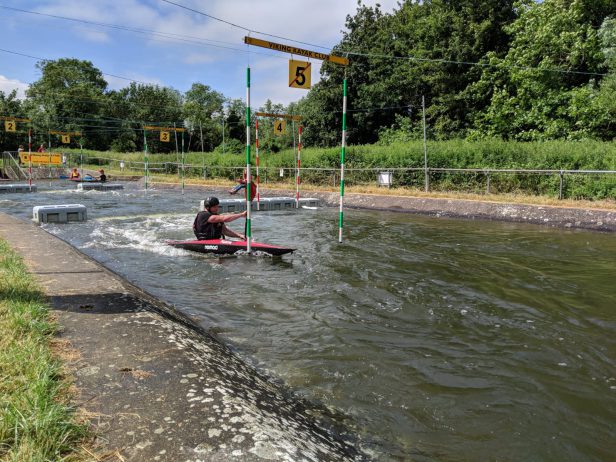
[
  {"x": 8, "y": 85},
  {"x": 93, "y": 35}
]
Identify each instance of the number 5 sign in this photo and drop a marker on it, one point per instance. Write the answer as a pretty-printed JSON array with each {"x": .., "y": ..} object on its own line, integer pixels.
[{"x": 299, "y": 74}]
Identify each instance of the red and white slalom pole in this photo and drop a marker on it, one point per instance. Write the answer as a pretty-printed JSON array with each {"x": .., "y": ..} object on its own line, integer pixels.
[
  {"x": 257, "y": 163},
  {"x": 299, "y": 153}
]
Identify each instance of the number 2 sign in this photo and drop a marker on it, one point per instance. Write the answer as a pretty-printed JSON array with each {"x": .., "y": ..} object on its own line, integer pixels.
[
  {"x": 299, "y": 74},
  {"x": 10, "y": 125}
]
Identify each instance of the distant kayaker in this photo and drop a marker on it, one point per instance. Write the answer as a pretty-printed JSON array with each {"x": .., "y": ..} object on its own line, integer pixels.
[
  {"x": 74, "y": 175},
  {"x": 102, "y": 177},
  {"x": 210, "y": 225}
]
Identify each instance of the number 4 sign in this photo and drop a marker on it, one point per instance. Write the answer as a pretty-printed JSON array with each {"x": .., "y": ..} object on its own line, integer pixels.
[
  {"x": 280, "y": 127},
  {"x": 299, "y": 74}
]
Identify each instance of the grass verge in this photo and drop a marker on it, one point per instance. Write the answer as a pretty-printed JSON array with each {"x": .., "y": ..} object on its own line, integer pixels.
[{"x": 36, "y": 421}]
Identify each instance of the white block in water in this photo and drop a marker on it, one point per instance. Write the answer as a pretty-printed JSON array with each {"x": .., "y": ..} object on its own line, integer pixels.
[
  {"x": 99, "y": 186},
  {"x": 17, "y": 188},
  {"x": 266, "y": 203},
  {"x": 70, "y": 213}
]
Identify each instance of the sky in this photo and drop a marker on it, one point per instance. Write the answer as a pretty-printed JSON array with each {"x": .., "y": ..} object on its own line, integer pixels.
[{"x": 202, "y": 50}]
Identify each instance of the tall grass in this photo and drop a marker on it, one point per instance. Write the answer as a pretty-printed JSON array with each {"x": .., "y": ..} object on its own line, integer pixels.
[{"x": 36, "y": 421}]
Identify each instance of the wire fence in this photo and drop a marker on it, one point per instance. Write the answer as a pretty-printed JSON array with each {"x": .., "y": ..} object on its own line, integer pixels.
[{"x": 561, "y": 183}]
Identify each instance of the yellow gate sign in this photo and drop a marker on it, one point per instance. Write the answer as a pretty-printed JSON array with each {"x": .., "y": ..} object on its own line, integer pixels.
[
  {"x": 53, "y": 158},
  {"x": 164, "y": 137},
  {"x": 10, "y": 125},
  {"x": 66, "y": 139},
  {"x": 299, "y": 74},
  {"x": 280, "y": 127}
]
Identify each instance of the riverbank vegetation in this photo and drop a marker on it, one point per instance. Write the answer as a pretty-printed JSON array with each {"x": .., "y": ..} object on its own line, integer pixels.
[
  {"x": 36, "y": 421},
  {"x": 405, "y": 159}
]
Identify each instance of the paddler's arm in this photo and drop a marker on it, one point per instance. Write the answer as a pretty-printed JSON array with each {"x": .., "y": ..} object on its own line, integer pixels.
[
  {"x": 226, "y": 218},
  {"x": 230, "y": 233}
]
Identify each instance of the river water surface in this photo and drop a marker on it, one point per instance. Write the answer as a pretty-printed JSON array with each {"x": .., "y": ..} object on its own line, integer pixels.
[{"x": 439, "y": 339}]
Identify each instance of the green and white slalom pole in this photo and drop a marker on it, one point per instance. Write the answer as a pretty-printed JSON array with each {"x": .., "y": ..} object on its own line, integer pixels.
[
  {"x": 145, "y": 158},
  {"x": 248, "y": 179},
  {"x": 342, "y": 152}
]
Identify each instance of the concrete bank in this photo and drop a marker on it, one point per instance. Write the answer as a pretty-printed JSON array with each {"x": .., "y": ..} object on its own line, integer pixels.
[{"x": 155, "y": 386}]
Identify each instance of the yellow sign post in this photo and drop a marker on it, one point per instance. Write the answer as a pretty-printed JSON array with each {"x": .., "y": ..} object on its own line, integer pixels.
[
  {"x": 280, "y": 127},
  {"x": 164, "y": 137},
  {"x": 279, "y": 116},
  {"x": 296, "y": 51},
  {"x": 10, "y": 125},
  {"x": 299, "y": 74}
]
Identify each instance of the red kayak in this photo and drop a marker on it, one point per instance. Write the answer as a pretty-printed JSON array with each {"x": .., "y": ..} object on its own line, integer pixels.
[{"x": 226, "y": 247}]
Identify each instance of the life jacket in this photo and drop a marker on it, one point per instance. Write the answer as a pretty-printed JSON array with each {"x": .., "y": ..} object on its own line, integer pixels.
[{"x": 205, "y": 230}]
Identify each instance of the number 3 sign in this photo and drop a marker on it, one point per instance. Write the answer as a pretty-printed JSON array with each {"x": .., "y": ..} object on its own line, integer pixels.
[{"x": 299, "y": 74}]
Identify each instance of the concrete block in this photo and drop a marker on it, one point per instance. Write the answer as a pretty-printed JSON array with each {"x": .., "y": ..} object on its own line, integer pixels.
[
  {"x": 17, "y": 188},
  {"x": 69, "y": 213},
  {"x": 99, "y": 186}
]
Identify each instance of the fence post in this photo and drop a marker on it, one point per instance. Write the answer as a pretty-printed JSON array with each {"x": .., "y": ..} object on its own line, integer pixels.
[
  {"x": 560, "y": 193},
  {"x": 427, "y": 180},
  {"x": 487, "y": 182}
]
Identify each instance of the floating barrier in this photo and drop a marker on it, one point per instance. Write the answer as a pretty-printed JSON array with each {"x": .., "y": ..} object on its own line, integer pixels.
[
  {"x": 71, "y": 213},
  {"x": 267, "y": 203},
  {"x": 99, "y": 187},
  {"x": 17, "y": 188}
]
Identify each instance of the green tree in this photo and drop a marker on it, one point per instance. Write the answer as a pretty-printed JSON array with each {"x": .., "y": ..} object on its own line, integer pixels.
[
  {"x": 69, "y": 93},
  {"x": 203, "y": 112},
  {"x": 11, "y": 106},
  {"x": 538, "y": 91}
]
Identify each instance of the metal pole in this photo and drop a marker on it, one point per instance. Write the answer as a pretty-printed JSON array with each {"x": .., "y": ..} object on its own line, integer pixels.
[
  {"x": 560, "y": 193},
  {"x": 342, "y": 152},
  {"x": 248, "y": 179},
  {"x": 294, "y": 148},
  {"x": 223, "y": 134},
  {"x": 49, "y": 154},
  {"x": 257, "y": 162},
  {"x": 426, "y": 179},
  {"x": 81, "y": 160},
  {"x": 30, "y": 158},
  {"x": 202, "y": 150},
  {"x": 145, "y": 158},
  {"x": 299, "y": 153},
  {"x": 182, "y": 163},
  {"x": 177, "y": 155},
  {"x": 488, "y": 183}
]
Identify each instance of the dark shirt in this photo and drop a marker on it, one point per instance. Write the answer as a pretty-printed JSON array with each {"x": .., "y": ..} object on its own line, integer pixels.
[
  {"x": 204, "y": 230},
  {"x": 102, "y": 178}
]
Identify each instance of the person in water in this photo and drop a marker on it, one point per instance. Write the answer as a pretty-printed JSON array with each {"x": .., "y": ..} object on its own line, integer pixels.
[
  {"x": 102, "y": 177},
  {"x": 74, "y": 175},
  {"x": 209, "y": 224}
]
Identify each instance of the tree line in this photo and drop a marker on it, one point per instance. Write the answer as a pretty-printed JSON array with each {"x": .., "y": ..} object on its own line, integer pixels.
[{"x": 513, "y": 70}]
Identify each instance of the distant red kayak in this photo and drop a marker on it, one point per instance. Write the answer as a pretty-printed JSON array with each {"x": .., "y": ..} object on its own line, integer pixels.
[{"x": 226, "y": 247}]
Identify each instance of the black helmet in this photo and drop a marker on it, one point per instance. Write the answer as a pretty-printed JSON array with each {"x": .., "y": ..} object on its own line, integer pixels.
[{"x": 210, "y": 202}]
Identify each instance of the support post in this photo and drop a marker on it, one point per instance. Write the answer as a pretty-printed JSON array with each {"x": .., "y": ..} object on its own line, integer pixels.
[
  {"x": 426, "y": 178},
  {"x": 30, "y": 158},
  {"x": 299, "y": 164},
  {"x": 560, "y": 191},
  {"x": 202, "y": 151},
  {"x": 182, "y": 163},
  {"x": 145, "y": 158}
]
